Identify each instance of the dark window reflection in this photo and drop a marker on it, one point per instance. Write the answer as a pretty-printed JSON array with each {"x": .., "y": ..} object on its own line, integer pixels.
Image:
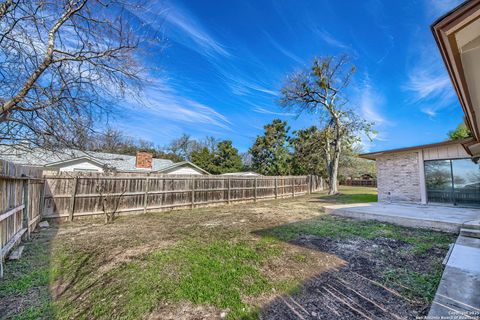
[{"x": 463, "y": 189}]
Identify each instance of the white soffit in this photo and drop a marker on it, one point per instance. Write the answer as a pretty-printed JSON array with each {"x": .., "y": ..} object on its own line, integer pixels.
[
  {"x": 475, "y": 150},
  {"x": 468, "y": 42}
]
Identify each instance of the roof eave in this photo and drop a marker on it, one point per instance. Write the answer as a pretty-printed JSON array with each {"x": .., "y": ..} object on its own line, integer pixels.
[
  {"x": 182, "y": 163},
  {"x": 449, "y": 52},
  {"x": 375, "y": 155},
  {"x": 57, "y": 163}
]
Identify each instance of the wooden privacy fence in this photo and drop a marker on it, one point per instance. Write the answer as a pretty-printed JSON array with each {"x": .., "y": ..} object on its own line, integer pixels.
[
  {"x": 360, "y": 183},
  {"x": 73, "y": 195},
  {"x": 20, "y": 204}
]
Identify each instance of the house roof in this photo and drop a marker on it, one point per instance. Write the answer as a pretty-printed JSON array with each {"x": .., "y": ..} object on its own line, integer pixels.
[
  {"x": 246, "y": 173},
  {"x": 38, "y": 157},
  {"x": 376, "y": 154},
  {"x": 181, "y": 164},
  {"x": 457, "y": 34}
]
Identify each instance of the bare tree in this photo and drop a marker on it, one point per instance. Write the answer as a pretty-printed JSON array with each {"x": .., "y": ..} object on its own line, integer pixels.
[
  {"x": 184, "y": 146},
  {"x": 109, "y": 199},
  {"x": 61, "y": 61},
  {"x": 211, "y": 143},
  {"x": 322, "y": 91}
]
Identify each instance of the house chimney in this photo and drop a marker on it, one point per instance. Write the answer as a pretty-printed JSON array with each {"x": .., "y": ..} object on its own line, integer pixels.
[{"x": 144, "y": 160}]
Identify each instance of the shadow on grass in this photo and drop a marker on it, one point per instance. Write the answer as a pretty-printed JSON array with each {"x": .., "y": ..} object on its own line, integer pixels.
[
  {"x": 45, "y": 273},
  {"x": 24, "y": 290},
  {"x": 390, "y": 271}
]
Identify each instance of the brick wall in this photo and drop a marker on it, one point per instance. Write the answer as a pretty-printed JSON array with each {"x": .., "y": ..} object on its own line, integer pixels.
[
  {"x": 398, "y": 177},
  {"x": 144, "y": 160}
]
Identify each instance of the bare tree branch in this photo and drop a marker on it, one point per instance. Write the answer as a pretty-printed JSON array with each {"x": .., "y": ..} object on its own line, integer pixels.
[{"x": 62, "y": 62}]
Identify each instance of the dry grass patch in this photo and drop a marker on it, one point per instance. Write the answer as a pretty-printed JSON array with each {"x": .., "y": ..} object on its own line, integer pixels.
[{"x": 187, "y": 264}]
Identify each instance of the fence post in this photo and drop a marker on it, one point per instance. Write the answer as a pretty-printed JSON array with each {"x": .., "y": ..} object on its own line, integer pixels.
[
  {"x": 228, "y": 190},
  {"x": 26, "y": 200},
  {"x": 72, "y": 198},
  {"x": 293, "y": 187},
  {"x": 42, "y": 198},
  {"x": 193, "y": 193},
  {"x": 255, "y": 198},
  {"x": 309, "y": 184},
  {"x": 145, "y": 198},
  {"x": 276, "y": 187}
]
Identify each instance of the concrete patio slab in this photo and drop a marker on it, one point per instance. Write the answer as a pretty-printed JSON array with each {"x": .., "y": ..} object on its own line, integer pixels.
[
  {"x": 458, "y": 294},
  {"x": 443, "y": 218}
]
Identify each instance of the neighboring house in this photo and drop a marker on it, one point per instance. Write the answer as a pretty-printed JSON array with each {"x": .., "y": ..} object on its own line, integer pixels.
[
  {"x": 446, "y": 172},
  {"x": 242, "y": 174},
  {"x": 90, "y": 161},
  {"x": 367, "y": 176}
]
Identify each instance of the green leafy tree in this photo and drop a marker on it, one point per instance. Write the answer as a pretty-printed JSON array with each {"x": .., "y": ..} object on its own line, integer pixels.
[
  {"x": 461, "y": 132},
  {"x": 322, "y": 92},
  {"x": 226, "y": 158},
  {"x": 270, "y": 154},
  {"x": 203, "y": 158},
  {"x": 305, "y": 158}
]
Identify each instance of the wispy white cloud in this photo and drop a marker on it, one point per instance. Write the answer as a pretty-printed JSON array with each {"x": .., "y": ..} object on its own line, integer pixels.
[
  {"x": 425, "y": 83},
  {"x": 266, "y": 111},
  {"x": 437, "y": 8},
  {"x": 161, "y": 100},
  {"x": 239, "y": 82},
  {"x": 331, "y": 40},
  {"x": 178, "y": 24},
  {"x": 428, "y": 83},
  {"x": 190, "y": 28},
  {"x": 283, "y": 50},
  {"x": 370, "y": 102},
  {"x": 429, "y": 111}
]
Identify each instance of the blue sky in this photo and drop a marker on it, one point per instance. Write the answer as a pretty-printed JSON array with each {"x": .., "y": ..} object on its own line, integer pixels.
[{"x": 222, "y": 64}]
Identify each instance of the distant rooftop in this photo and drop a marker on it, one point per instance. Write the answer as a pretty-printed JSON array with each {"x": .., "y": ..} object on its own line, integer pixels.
[{"x": 38, "y": 157}]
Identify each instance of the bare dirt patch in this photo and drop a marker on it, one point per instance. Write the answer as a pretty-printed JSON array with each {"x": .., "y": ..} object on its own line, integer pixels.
[
  {"x": 357, "y": 289},
  {"x": 185, "y": 311}
]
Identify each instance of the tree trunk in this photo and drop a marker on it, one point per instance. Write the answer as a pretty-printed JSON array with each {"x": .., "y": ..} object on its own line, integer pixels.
[
  {"x": 333, "y": 187},
  {"x": 333, "y": 168}
]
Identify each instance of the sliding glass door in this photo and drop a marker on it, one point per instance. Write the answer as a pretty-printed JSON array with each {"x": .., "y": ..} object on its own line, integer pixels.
[{"x": 453, "y": 181}]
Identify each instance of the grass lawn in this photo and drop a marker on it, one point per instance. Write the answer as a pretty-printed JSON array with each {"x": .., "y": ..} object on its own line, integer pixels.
[
  {"x": 352, "y": 195},
  {"x": 236, "y": 261}
]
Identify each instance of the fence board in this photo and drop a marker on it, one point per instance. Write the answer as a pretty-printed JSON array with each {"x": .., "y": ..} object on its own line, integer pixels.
[
  {"x": 20, "y": 204},
  {"x": 143, "y": 192},
  {"x": 360, "y": 183}
]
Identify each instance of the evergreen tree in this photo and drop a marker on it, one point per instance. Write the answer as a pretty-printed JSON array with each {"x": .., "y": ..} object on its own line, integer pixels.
[
  {"x": 226, "y": 158},
  {"x": 270, "y": 154},
  {"x": 203, "y": 158},
  {"x": 306, "y": 158}
]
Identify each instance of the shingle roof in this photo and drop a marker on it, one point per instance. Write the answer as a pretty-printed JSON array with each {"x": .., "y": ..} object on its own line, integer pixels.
[{"x": 38, "y": 157}]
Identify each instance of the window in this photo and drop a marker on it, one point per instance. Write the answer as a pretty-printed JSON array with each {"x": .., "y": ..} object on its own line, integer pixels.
[{"x": 454, "y": 181}]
